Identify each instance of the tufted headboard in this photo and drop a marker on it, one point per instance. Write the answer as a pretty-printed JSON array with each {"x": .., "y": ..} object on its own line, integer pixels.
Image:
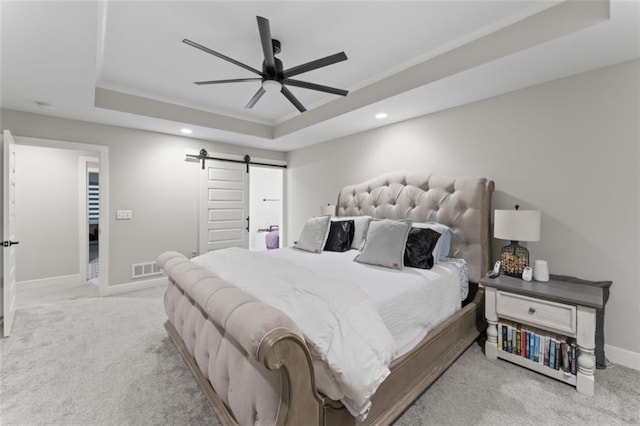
[{"x": 464, "y": 204}]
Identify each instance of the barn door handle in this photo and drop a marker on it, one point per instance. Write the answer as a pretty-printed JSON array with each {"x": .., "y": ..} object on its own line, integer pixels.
[
  {"x": 247, "y": 223},
  {"x": 10, "y": 243}
]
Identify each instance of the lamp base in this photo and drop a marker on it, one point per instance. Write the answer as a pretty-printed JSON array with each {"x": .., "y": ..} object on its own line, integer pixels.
[{"x": 514, "y": 259}]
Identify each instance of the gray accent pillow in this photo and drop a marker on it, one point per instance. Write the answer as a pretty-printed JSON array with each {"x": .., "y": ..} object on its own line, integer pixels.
[
  {"x": 314, "y": 234},
  {"x": 385, "y": 243}
]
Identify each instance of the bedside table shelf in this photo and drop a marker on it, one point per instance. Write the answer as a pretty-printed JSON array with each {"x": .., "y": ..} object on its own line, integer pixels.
[
  {"x": 560, "y": 309},
  {"x": 560, "y": 375}
]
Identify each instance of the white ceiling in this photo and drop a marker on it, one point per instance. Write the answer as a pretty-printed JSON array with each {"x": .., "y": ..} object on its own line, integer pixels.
[{"x": 124, "y": 63}]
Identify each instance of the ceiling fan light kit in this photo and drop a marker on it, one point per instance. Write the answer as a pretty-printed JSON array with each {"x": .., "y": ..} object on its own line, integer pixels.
[
  {"x": 271, "y": 86},
  {"x": 273, "y": 76}
]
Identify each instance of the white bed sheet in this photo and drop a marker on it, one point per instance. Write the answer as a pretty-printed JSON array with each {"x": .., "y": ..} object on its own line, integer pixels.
[{"x": 411, "y": 301}]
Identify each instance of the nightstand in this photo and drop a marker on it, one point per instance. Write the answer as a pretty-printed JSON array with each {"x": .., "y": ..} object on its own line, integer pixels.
[{"x": 556, "y": 311}]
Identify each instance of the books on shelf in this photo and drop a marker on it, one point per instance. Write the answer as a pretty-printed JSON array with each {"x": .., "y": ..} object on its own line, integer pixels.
[{"x": 541, "y": 347}]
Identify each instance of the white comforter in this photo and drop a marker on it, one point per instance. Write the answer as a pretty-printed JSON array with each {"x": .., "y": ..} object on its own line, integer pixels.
[
  {"x": 411, "y": 301},
  {"x": 338, "y": 320}
]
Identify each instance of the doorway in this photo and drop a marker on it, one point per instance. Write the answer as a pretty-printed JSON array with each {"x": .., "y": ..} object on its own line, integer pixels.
[
  {"x": 93, "y": 222},
  {"x": 81, "y": 160},
  {"x": 265, "y": 207}
]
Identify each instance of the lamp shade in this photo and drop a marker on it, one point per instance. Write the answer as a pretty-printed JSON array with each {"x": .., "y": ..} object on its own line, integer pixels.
[
  {"x": 328, "y": 210},
  {"x": 517, "y": 225}
]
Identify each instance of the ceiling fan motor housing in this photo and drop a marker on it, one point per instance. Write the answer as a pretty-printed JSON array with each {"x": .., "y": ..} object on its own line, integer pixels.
[
  {"x": 277, "y": 47},
  {"x": 273, "y": 74}
]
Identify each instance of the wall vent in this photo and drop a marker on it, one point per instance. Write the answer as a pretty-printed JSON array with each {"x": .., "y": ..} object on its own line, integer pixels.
[{"x": 147, "y": 269}]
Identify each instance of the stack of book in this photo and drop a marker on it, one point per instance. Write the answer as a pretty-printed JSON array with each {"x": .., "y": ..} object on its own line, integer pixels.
[{"x": 556, "y": 352}]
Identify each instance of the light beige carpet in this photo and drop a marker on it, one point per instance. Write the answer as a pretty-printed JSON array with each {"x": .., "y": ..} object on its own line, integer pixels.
[{"x": 77, "y": 359}]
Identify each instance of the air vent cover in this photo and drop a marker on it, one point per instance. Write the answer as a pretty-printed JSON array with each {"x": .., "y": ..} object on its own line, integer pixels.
[{"x": 147, "y": 269}]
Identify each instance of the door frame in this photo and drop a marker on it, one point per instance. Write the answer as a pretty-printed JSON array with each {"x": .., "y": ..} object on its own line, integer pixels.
[
  {"x": 102, "y": 152},
  {"x": 8, "y": 257},
  {"x": 282, "y": 200}
]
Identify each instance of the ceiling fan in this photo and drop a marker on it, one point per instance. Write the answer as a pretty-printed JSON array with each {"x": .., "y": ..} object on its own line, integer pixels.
[{"x": 273, "y": 76}]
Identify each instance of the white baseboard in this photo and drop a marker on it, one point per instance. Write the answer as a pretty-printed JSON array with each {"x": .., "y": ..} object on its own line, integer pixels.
[
  {"x": 63, "y": 279},
  {"x": 135, "y": 286},
  {"x": 622, "y": 357}
]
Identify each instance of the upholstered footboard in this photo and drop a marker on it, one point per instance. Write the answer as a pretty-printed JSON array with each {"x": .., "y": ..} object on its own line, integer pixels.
[
  {"x": 249, "y": 357},
  {"x": 253, "y": 365}
]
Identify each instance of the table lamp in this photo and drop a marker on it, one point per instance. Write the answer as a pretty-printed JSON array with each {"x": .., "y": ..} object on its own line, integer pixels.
[
  {"x": 516, "y": 225},
  {"x": 328, "y": 210}
]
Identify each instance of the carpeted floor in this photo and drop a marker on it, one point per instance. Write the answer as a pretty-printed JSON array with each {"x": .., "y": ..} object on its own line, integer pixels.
[{"x": 77, "y": 359}]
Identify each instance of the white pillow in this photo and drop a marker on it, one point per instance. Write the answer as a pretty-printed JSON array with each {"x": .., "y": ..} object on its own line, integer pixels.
[
  {"x": 385, "y": 243},
  {"x": 361, "y": 225},
  {"x": 443, "y": 246},
  {"x": 314, "y": 234}
]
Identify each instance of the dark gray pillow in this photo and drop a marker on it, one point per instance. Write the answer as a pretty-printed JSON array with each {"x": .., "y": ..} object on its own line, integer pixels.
[
  {"x": 418, "y": 252},
  {"x": 340, "y": 236}
]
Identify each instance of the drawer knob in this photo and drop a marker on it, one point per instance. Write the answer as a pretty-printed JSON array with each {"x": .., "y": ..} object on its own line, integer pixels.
[{"x": 532, "y": 311}]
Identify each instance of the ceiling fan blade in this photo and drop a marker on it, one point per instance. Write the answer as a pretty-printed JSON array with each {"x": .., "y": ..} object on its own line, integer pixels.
[
  {"x": 313, "y": 86},
  {"x": 287, "y": 94},
  {"x": 265, "y": 40},
  {"x": 221, "y": 56},
  {"x": 318, "y": 63},
  {"x": 233, "y": 80},
  {"x": 255, "y": 98}
]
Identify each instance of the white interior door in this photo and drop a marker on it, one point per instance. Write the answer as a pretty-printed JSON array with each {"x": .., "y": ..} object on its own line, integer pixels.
[
  {"x": 224, "y": 206},
  {"x": 8, "y": 235}
]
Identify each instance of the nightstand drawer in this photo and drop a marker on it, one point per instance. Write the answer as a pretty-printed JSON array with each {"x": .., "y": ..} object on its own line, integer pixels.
[{"x": 537, "y": 312}]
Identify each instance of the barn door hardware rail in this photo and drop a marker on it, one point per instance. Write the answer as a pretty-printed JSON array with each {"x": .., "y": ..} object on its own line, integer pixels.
[{"x": 204, "y": 155}]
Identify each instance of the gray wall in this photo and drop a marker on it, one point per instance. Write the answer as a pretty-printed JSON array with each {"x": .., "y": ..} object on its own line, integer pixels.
[
  {"x": 568, "y": 148},
  {"x": 47, "y": 198},
  {"x": 148, "y": 175}
]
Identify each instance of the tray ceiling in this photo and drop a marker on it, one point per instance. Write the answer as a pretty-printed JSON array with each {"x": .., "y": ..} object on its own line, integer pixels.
[{"x": 124, "y": 63}]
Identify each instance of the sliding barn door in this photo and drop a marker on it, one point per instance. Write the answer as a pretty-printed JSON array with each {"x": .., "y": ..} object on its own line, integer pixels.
[{"x": 224, "y": 206}]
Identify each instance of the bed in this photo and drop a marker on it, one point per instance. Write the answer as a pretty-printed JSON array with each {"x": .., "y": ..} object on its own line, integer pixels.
[{"x": 252, "y": 360}]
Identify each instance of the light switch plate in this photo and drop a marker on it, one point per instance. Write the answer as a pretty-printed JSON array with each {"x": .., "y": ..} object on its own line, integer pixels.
[{"x": 124, "y": 215}]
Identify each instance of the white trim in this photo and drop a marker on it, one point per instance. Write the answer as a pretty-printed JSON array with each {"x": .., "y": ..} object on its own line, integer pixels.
[
  {"x": 140, "y": 285},
  {"x": 62, "y": 279},
  {"x": 623, "y": 357},
  {"x": 281, "y": 223},
  {"x": 103, "y": 242},
  {"x": 103, "y": 154}
]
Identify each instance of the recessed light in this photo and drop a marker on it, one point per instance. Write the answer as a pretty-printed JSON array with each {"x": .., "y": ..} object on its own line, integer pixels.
[
  {"x": 186, "y": 131},
  {"x": 381, "y": 115}
]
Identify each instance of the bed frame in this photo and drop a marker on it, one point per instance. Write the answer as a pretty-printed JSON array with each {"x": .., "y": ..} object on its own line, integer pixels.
[{"x": 270, "y": 350}]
